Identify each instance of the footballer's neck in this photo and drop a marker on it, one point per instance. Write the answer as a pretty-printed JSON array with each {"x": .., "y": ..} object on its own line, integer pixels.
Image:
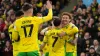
[
  {"x": 66, "y": 24},
  {"x": 57, "y": 27},
  {"x": 27, "y": 14}
]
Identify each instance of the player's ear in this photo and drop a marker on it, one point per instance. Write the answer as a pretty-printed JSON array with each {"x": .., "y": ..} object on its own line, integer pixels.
[
  {"x": 30, "y": 10},
  {"x": 70, "y": 20}
]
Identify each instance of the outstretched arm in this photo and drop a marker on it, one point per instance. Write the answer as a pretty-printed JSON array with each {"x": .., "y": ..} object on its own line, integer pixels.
[{"x": 49, "y": 16}]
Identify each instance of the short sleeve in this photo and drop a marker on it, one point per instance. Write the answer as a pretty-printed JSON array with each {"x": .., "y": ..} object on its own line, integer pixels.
[{"x": 72, "y": 31}]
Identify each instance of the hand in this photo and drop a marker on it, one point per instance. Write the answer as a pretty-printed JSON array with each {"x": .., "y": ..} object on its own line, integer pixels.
[
  {"x": 61, "y": 34},
  {"x": 49, "y": 5},
  {"x": 6, "y": 49}
]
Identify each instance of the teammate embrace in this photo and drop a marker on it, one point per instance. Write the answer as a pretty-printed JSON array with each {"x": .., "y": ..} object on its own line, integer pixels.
[{"x": 61, "y": 37}]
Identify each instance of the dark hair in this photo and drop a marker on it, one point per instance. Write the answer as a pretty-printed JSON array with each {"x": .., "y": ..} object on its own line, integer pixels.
[
  {"x": 80, "y": 1},
  {"x": 28, "y": 1},
  {"x": 26, "y": 7},
  {"x": 19, "y": 13},
  {"x": 56, "y": 21}
]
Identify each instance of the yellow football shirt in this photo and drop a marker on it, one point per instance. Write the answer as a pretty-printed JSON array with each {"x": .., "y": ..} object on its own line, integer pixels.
[
  {"x": 46, "y": 48},
  {"x": 56, "y": 43},
  {"x": 14, "y": 43},
  {"x": 27, "y": 29},
  {"x": 70, "y": 30}
]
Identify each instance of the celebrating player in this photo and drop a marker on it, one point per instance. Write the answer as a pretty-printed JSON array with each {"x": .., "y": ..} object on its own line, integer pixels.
[
  {"x": 54, "y": 42},
  {"x": 71, "y": 34},
  {"x": 27, "y": 28},
  {"x": 15, "y": 43}
]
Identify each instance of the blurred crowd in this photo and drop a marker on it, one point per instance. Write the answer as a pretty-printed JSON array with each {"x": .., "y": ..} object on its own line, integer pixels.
[
  {"x": 8, "y": 9},
  {"x": 87, "y": 19}
]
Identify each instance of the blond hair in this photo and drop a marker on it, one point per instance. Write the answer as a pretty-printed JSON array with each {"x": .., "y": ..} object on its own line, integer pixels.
[{"x": 67, "y": 13}]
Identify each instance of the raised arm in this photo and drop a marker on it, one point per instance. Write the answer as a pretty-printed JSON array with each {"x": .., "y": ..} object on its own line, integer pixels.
[{"x": 49, "y": 16}]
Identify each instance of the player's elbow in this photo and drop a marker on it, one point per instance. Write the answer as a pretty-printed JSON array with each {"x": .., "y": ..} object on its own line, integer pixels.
[
  {"x": 14, "y": 38},
  {"x": 42, "y": 33},
  {"x": 49, "y": 17},
  {"x": 76, "y": 30},
  {"x": 42, "y": 45}
]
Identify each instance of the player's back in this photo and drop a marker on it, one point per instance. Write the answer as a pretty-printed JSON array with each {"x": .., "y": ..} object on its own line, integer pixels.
[
  {"x": 56, "y": 43},
  {"x": 27, "y": 28}
]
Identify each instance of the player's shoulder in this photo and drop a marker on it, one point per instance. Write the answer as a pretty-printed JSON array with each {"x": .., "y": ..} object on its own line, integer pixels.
[
  {"x": 34, "y": 18},
  {"x": 75, "y": 28},
  {"x": 54, "y": 31},
  {"x": 18, "y": 20},
  {"x": 49, "y": 32},
  {"x": 11, "y": 26},
  {"x": 73, "y": 25},
  {"x": 23, "y": 19}
]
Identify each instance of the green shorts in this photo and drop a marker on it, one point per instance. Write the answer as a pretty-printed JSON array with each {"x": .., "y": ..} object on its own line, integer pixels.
[
  {"x": 47, "y": 54},
  {"x": 70, "y": 54},
  {"x": 34, "y": 53}
]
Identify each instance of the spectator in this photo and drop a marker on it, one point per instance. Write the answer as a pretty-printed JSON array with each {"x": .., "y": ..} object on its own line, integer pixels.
[
  {"x": 79, "y": 46},
  {"x": 92, "y": 29},
  {"x": 12, "y": 15},
  {"x": 86, "y": 42},
  {"x": 84, "y": 14},
  {"x": 28, "y": 1},
  {"x": 92, "y": 52},
  {"x": 8, "y": 49},
  {"x": 87, "y": 35},
  {"x": 80, "y": 5},
  {"x": 94, "y": 5},
  {"x": 98, "y": 36},
  {"x": 96, "y": 46},
  {"x": 99, "y": 9},
  {"x": 7, "y": 8},
  {"x": 56, "y": 9},
  {"x": 16, "y": 6},
  {"x": 44, "y": 10},
  {"x": 35, "y": 9},
  {"x": 2, "y": 41},
  {"x": 2, "y": 25},
  {"x": 89, "y": 9},
  {"x": 77, "y": 22},
  {"x": 79, "y": 11},
  {"x": 39, "y": 4},
  {"x": 87, "y": 45},
  {"x": 1, "y": 48},
  {"x": 83, "y": 54},
  {"x": 82, "y": 28},
  {"x": 80, "y": 17},
  {"x": 89, "y": 16}
]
